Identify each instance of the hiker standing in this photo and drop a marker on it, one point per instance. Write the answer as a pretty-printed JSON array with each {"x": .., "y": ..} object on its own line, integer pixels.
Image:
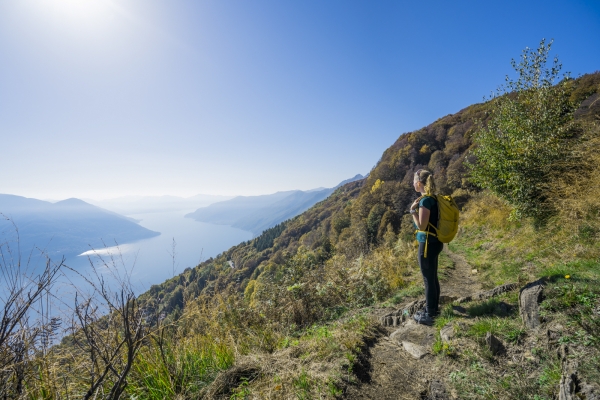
[{"x": 425, "y": 213}]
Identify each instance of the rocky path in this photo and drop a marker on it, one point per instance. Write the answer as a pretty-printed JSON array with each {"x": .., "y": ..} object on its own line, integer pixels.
[{"x": 398, "y": 365}]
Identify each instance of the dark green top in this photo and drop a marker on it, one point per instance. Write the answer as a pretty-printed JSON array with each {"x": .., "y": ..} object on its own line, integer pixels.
[{"x": 429, "y": 203}]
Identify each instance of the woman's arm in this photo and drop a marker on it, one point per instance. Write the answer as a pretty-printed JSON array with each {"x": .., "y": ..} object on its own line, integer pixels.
[{"x": 421, "y": 219}]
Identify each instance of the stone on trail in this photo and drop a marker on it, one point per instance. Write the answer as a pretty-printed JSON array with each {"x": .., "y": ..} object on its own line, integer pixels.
[
  {"x": 488, "y": 294},
  {"x": 569, "y": 380},
  {"x": 494, "y": 344},
  {"x": 530, "y": 298},
  {"x": 447, "y": 332},
  {"x": 554, "y": 333},
  {"x": 498, "y": 290},
  {"x": 416, "y": 339},
  {"x": 567, "y": 387},
  {"x": 445, "y": 299},
  {"x": 415, "y": 350},
  {"x": 437, "y": 391},
  {"x": 590, "y": 391},
  {"x": 421, "y": 335}
]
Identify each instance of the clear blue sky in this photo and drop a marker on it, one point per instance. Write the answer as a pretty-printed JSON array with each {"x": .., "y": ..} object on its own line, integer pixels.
[{"x": 138, "y": 97}]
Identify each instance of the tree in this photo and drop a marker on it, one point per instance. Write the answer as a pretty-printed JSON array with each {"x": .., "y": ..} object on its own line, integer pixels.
[{"x": 527, "y": 136}]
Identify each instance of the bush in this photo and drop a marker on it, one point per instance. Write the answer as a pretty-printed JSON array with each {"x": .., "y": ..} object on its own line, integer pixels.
[{"x": 528, "y": 135}]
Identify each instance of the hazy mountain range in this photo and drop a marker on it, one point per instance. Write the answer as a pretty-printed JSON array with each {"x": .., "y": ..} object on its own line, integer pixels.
[
  {"x": 257, "y": 213},
  {"x": 67, "y": 227},
  {"x": 144, "y": 204},
  {"x": 73, "y": 226}
]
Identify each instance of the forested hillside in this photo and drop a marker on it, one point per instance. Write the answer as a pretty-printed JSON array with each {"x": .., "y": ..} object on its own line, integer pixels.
[{"x": 359, "y": 216}]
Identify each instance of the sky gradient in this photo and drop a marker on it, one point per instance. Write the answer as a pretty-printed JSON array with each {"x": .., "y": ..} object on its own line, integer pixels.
[{"x": 105, "y": 98}]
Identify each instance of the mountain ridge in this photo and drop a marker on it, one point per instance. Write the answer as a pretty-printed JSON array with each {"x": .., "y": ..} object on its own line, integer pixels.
[
  {"x": 67, "y": 227},
  {"x": 259, "y": 213}
]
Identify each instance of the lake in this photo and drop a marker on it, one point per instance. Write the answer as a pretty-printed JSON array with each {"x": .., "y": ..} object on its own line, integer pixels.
[
  {"x": 152, "y": 261},
  {"x": 143, "y": 263}
]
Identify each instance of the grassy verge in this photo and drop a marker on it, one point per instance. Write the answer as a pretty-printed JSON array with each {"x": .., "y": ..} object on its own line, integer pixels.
[
  {"x": 528, "y": 366},
  {"x": 314, "y": 363}
]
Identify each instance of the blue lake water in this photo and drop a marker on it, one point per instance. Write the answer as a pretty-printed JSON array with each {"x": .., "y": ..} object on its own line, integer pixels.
[
  {"x": 142, "y": 264},
  {"x": 152, "y": 261}
]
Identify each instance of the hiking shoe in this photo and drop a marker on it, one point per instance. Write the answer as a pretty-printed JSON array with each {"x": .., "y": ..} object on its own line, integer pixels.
[
  {"x": 423, "y": 318},
  {"x": 419, "y": 312}
]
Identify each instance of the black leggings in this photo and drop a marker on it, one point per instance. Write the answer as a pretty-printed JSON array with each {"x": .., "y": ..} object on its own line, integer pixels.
[{"x": 429, "y": 268}]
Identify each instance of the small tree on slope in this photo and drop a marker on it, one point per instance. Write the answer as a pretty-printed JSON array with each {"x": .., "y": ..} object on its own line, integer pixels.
[{"x": 527, "y": 137}]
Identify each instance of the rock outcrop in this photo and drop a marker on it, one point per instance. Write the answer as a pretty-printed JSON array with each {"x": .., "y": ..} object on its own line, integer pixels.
[{"x": 530, "y": 298}]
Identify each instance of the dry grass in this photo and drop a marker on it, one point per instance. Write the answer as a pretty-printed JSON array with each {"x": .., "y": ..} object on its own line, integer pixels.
[{"x": 317, "y": 364}]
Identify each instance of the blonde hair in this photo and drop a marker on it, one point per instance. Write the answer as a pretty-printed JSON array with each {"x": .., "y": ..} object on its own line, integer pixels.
[{"x": 426, "y": 178}]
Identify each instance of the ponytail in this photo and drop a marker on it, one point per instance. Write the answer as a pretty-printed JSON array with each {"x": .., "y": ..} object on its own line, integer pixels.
[{"x": 426, "y": 178}]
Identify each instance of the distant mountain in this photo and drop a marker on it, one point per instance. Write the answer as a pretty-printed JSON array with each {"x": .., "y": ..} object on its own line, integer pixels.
[
  {"x": 143, "y": 204},
  {"x": 67, "y": 227},
  {"x": 258, "y": 213}
]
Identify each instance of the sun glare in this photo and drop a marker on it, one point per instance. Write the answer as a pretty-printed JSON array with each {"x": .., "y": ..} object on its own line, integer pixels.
[
  {"x": 77, "y": 9},
  {"x": 83, "y": 13}
]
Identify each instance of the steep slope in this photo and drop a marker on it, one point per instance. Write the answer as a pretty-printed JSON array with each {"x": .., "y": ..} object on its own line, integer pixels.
[
  {"x": 360, "y": 216},
  {"x": 290, "y": 314}
]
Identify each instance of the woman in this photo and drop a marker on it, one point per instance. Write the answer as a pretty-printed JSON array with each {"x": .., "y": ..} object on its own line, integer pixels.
[{"x": 425, "y": 213}]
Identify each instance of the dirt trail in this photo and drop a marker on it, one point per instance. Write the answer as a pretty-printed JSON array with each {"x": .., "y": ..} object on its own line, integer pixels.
[
  {"x": 460, "y": 281},
  {"x": 387, "y": 371}
]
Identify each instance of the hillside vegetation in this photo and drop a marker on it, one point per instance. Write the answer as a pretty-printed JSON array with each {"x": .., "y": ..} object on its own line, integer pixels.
[{"x": 295, "y": 315}]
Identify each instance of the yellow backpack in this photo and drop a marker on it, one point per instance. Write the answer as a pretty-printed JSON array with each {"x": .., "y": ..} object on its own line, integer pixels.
[{"x": 447, "y": 224}]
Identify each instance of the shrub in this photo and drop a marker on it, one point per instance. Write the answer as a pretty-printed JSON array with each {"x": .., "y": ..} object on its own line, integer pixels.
[{"x": 527, "y": 136}]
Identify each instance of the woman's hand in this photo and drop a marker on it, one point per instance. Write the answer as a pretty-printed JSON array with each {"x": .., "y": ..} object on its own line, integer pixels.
[{"x": 415, "y": 204}]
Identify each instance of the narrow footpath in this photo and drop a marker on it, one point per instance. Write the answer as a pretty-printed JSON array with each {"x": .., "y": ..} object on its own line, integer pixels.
[{"x": 387, "y": 369}]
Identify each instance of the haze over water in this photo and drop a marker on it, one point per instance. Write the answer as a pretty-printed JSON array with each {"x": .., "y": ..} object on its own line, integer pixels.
[{"x": 150, "y": 261}]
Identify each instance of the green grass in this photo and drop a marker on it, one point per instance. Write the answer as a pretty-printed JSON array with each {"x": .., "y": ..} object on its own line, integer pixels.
[
  {"x": 302, "y": 385},
  {"x": 446, "y": 316},
  {"x": 414, "y": 290},
  {"x": 486, "y": 307},
  {"x": 510, "y": 330},
  {"x": 550, "y": 376},
  {"x": 183, "y": 370},
  {"x": 242, "y": 391},
  {"x": 333, "y": 390}
]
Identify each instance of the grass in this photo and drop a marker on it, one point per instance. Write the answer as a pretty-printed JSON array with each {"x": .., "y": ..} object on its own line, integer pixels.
[
  {"x": 316, "y": 362},
  {"x": 483, "y": 380},
  {"x": 446, "y": 316},
  {"x": 508, "y": 329},
  {"x": 550, "y": 376},
  {"x": 486, "y": 307},
  {"x": 183, "y": 368},
  {"x": 415, "y": 289},
  {"x": 302, "y": 384},
  {"x": 508, "y": 251}
]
